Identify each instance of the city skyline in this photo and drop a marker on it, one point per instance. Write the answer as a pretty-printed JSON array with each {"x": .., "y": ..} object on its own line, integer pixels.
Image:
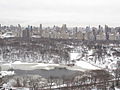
[{"x": 58, "y": 12}]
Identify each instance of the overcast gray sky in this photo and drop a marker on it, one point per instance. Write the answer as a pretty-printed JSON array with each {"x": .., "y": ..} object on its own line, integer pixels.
[{"x": 70, "y": 12}]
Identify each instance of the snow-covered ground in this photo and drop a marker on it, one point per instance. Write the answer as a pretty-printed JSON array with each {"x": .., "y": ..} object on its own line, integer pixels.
[
  {"x": 74, "y": 56},
  {"x": 117, "y": 88},
  {"x": 4, "y": 73},
  {"x": 86, "y": 65},
  {"x": 87, "y": 56}
]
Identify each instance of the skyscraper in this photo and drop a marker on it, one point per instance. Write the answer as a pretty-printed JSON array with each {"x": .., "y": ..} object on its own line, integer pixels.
[
  {"x": 26, "y": 33},
  {"x": 87, "y": 29},
  {"x": 94, "y": 33},
  {"x": 64, "y": 27},
  {"x": 40, "y": 28},
  {"x": 19, "y": 31},
  {"x": 107, "y": 32},
  {"x": 30, "y": 31},
  {"x": 0, "y": 27}
]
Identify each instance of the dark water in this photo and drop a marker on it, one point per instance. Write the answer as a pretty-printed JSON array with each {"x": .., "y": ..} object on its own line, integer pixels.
[{"x": 48, "y": 73}]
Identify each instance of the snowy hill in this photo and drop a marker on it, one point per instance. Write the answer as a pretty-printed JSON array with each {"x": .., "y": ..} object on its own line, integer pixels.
[{"x": 105, "y": 57}]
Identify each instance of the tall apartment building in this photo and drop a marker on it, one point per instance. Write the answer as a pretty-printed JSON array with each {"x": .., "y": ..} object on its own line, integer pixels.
[
  {"x": 19, "y": 31},
  {"x": 94, "y": 32},
  {"x": 0, "y": 27},
  {"x": 40, "y": 30},
  {"x": 107, "y": 32},
  {"x": 27, "y": 33}
]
